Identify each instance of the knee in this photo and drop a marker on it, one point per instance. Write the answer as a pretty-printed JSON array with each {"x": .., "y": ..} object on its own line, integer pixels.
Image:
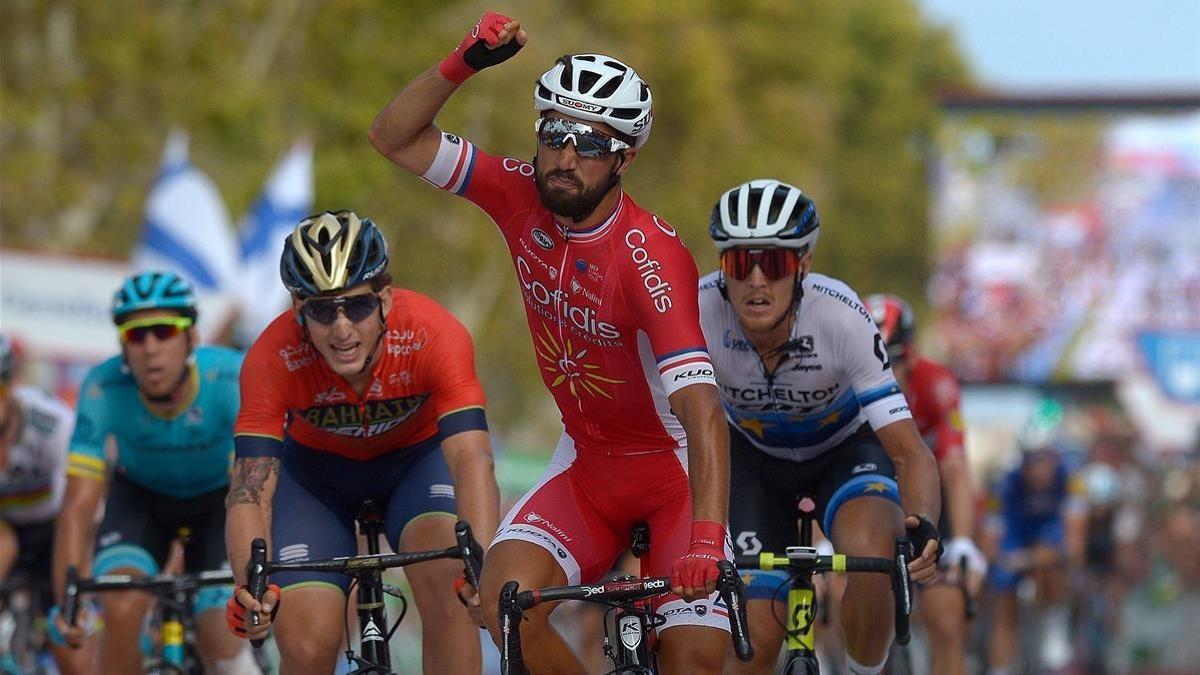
[
  {"x": 693, "y": 649},
  {"x": 945, "y": 626},
  {"x": 867, "y": 527},
  {"x": 241, "y": 663},
  {"x": 308, "y": 654},
  {"x": 124, "y": 610}
]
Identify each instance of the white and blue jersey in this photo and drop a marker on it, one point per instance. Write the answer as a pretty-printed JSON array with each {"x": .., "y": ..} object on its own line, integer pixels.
[{"x": 834, "y": 375}]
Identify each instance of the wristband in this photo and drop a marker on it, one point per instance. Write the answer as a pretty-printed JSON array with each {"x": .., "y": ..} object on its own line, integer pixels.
[{"x": 709, "y": 534}]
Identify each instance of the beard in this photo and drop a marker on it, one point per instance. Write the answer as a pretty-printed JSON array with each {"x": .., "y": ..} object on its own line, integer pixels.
[{"x": 574, "y": 205}]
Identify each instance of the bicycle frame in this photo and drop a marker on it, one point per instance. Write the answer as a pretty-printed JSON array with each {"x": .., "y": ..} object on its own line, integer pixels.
[
  {"x": 375, "y": 656},
  {"x": 802, "y": 562},
  {"x": 632, "y": 654}
]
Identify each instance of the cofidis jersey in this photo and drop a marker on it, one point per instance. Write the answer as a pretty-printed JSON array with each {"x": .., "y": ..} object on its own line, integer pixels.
[{"x": 612, "y": 310}]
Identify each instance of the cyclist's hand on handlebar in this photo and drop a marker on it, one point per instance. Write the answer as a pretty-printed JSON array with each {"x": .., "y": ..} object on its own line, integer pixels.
[
  {"x": 961, "y": 552},
  {"x": 694, "y": 576},
  {"x": 237, "y": 617},
  {"x": 62, "y": 634},
  {"x": 927, "y": 546},
  {"x": 468, "y": 595},
  {"x": 493, "y": 40}
]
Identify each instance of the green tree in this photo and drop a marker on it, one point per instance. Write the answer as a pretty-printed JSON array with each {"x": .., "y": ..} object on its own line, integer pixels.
[{"x": 836, "y": 96}]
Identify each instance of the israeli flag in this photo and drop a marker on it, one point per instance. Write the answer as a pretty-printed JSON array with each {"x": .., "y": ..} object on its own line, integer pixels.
[
  {"x": 287, "y": 198},
  {"x": 186, "y": 228},
  {"x": 1173, "y": 358}
]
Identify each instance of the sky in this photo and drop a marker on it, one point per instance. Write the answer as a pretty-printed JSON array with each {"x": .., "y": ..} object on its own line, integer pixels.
[{"x": 1092, "y": 46}]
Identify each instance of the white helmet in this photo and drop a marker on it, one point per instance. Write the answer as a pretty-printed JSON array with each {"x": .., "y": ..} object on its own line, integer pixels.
[
  {"x": 598, "y": 88},
  {"x": 764, "y": 212}
]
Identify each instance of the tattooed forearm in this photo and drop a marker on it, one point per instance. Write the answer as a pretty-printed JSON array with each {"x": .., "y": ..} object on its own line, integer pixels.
[{"x": 250, "y": 474}]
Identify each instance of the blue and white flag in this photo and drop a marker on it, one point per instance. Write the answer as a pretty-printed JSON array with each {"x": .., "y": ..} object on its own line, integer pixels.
[
  {"x": 186, "y": 228},
  {"x": 286, "y": 198},
  {"x": 1173, "y": 358}
]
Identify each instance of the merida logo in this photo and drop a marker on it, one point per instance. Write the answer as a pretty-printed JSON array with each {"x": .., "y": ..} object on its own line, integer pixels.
[
  {"x": 371, "y": 632},
  {"x": 648, "y": 267}
]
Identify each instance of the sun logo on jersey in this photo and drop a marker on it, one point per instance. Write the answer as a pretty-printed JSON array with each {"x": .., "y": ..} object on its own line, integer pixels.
[{"x": 567, "y": 367}]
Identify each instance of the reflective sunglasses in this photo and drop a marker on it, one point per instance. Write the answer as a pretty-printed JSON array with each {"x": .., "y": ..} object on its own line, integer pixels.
[
  {"x": 161, "y": 327},
  {"x": 776, "y": 263},
  {"x": 554, "y": 132},
  {"x": 325, "y": 310}
]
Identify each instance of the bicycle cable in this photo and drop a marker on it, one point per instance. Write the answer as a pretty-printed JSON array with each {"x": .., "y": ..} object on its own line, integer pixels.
[{"x": 403, "y": 612}]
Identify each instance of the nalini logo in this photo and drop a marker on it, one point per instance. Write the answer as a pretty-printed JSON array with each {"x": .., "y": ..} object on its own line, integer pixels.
[
  {"x": 542, "y": 239},
  {"x": 451, "y": 138},
  {"x": 805, "y": 342}
]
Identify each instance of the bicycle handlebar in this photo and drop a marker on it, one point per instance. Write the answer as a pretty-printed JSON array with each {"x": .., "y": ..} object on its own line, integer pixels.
[
  {"x": 513, "y": 605},
  {"x": 471, "y": 553},
  {"x": 970, "y": 604},
  {"x": 70, "y": 608},
  {"x": 808, "y": 561},
  {"x": 256, "y": 580},
  {"x": 733, "y": 592},
  {"x": 128, "y": 582},
  {"x": 259, "y": 568}
]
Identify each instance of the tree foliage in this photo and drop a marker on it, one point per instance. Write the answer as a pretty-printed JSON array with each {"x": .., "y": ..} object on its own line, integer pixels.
[{"x": 836, "y": 96}]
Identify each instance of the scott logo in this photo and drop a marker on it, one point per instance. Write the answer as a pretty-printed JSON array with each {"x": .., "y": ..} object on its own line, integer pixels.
[
  {"x": 542, "y": 239},
  {"x": 579, "y": 105},
  {"x": 749, "y": 544}
]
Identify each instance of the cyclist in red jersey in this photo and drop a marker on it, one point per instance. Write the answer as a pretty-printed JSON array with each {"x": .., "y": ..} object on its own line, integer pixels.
[
  {"x": 609, "y": 293},
  {"x": 363, "y": 391},
  {"x": 933, "y": 397}
]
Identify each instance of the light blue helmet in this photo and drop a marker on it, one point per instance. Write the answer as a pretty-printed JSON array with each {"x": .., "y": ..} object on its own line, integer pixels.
[{"x": 153, "y": 290}]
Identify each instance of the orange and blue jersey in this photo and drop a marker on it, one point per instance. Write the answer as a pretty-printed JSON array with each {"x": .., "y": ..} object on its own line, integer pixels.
[{"x": 424, "y": 388}]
